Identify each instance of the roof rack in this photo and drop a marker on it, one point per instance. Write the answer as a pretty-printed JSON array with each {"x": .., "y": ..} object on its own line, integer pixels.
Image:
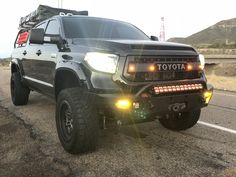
[{"x": 44, "y": 12}]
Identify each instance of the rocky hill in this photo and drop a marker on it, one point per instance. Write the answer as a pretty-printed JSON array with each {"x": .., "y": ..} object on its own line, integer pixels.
[{"x": 221, "y": 34}]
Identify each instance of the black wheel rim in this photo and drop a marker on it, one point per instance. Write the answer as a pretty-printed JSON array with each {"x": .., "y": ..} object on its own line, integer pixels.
[{"x": 66, "y": 120}]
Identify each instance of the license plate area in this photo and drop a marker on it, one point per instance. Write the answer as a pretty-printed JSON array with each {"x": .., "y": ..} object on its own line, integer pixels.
[{"x": 177, "y": 107}]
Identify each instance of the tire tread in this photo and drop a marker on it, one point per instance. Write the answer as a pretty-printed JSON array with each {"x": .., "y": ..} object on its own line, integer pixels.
[
  {"x": 86, "y": 136},
  {"x": 21, "y": 92},
  {"x": 188, "y": 120}
]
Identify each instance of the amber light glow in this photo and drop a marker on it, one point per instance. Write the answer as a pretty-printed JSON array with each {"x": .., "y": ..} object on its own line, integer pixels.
[
  {"x": 123, "y": 104},
  {"x": 189, "y": 67},
  {"x": 207, "y": 95},
  {"x": 151, "y": 68},
  {"x": 131, "y": 68},
  {"x": 201, "y": 67}
]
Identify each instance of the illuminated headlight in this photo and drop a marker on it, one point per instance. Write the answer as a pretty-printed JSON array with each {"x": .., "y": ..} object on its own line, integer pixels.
[
  {"x": 102, "y": 61},
  {"x": 202, "y": 61}
]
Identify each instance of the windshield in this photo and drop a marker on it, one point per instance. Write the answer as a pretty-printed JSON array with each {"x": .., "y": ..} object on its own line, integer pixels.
[{"x": 87, "y": 27}]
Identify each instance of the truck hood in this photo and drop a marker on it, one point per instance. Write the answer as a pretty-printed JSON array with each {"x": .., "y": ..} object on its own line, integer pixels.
[{"x": 129, "y": 45}]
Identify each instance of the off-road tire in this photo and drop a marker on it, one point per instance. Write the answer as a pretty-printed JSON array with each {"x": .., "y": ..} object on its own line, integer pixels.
[
  {"x": 181, "y": 121},
  {"x": 19, "y": 92},
  {"x": 83, "y": 137}
]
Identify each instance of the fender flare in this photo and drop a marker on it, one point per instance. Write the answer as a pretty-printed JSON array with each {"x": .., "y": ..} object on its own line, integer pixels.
[
  {"x": 15, "y": 62},
  {"x": 76, "y": 69}
]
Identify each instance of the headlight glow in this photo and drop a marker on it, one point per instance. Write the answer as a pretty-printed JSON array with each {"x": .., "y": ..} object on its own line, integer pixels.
[
  {"x": 102, "y": 61},
  {"x": 202, "y": 61}
]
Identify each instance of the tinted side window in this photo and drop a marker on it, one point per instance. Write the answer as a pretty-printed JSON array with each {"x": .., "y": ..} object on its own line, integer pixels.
[{"x": 53, "y": 27}]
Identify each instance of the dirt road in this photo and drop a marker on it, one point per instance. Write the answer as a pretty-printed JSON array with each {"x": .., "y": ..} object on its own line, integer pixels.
[{"x": 30, "y": 146}]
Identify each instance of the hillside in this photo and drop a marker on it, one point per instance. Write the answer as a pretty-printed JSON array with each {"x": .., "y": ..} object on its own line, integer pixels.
[
  {"x": 4, "y": 61},
  {"x": 221, "y": 34}
]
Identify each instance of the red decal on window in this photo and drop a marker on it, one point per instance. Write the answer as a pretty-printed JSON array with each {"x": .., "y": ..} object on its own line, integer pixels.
[{"x": 22, "y": 38}]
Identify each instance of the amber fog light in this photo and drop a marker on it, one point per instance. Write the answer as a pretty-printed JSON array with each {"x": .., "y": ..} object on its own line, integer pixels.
[
  {"x": 207, "y": 96},
  {"x": 123, "y": 104}
]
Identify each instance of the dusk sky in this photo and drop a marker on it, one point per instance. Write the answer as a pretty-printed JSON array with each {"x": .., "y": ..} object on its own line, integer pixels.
[{"x": 182, "y": 17}]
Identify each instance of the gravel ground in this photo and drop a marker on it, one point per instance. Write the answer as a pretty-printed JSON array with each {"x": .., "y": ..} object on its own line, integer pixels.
[
  {"x": 222, "y": 76},
  {"x": 21, "y": 154},
  {"x": 30, "y": 146},
  {"x": 132, "y": 153}
]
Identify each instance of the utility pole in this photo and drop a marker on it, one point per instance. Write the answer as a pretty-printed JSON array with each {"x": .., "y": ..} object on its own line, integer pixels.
[
  {"x": 59, "y": 3},
  {"x": 162, "y": 30}
]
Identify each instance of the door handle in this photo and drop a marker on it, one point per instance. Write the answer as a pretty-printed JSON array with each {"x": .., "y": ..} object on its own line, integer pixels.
[
  {"x": 24, "y": 53},
  {"x": 39, "y": 52}
]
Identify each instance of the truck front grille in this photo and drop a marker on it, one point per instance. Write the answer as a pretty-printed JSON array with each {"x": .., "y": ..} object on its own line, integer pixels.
[{"x": 167, "y": 68}]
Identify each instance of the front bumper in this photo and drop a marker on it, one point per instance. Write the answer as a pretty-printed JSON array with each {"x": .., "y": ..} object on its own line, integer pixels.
[{"x": 145, "y": 107}]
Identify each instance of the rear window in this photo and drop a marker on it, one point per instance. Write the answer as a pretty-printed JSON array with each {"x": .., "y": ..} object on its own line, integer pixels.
[{"x": 84, "y": 27}]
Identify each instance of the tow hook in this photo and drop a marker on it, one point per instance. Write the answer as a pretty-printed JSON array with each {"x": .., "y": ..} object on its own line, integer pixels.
[{"x": 177, "y": 107}]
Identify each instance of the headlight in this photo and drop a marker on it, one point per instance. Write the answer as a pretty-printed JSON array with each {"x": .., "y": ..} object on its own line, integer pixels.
[
  {"x": 202, "y": 60},
  {"x": 102, "y": 61}
]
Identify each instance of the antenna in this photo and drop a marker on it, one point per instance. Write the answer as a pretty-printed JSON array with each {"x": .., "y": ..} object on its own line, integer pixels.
[{"x": 162, "y": 30}]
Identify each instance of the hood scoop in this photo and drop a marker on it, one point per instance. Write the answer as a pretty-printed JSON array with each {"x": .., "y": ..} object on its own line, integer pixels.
[{"x": 157, "y": 47}]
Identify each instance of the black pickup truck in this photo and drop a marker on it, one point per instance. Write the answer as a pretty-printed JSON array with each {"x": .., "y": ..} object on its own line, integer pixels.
[{"x": 103, "y": 72}]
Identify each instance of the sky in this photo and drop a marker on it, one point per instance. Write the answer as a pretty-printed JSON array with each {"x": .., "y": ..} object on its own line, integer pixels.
[{"x": 182, "y": 17}]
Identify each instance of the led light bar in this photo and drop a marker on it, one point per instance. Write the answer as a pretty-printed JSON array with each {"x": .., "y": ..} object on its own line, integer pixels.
[{"x": 177, "y": 88}]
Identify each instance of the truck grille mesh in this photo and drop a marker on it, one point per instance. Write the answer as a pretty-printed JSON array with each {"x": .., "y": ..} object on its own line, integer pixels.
[{"x": 162, "y": 75}]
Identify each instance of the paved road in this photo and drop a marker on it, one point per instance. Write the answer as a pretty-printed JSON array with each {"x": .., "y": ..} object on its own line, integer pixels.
[{"x": 143, "y": 150}]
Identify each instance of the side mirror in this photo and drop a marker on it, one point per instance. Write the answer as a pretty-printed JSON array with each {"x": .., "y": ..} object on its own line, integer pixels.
[
  {"x": 154, "y": 38},
  {"x": 53, "y": 39},
  {"x": 37, "y": 36}
]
